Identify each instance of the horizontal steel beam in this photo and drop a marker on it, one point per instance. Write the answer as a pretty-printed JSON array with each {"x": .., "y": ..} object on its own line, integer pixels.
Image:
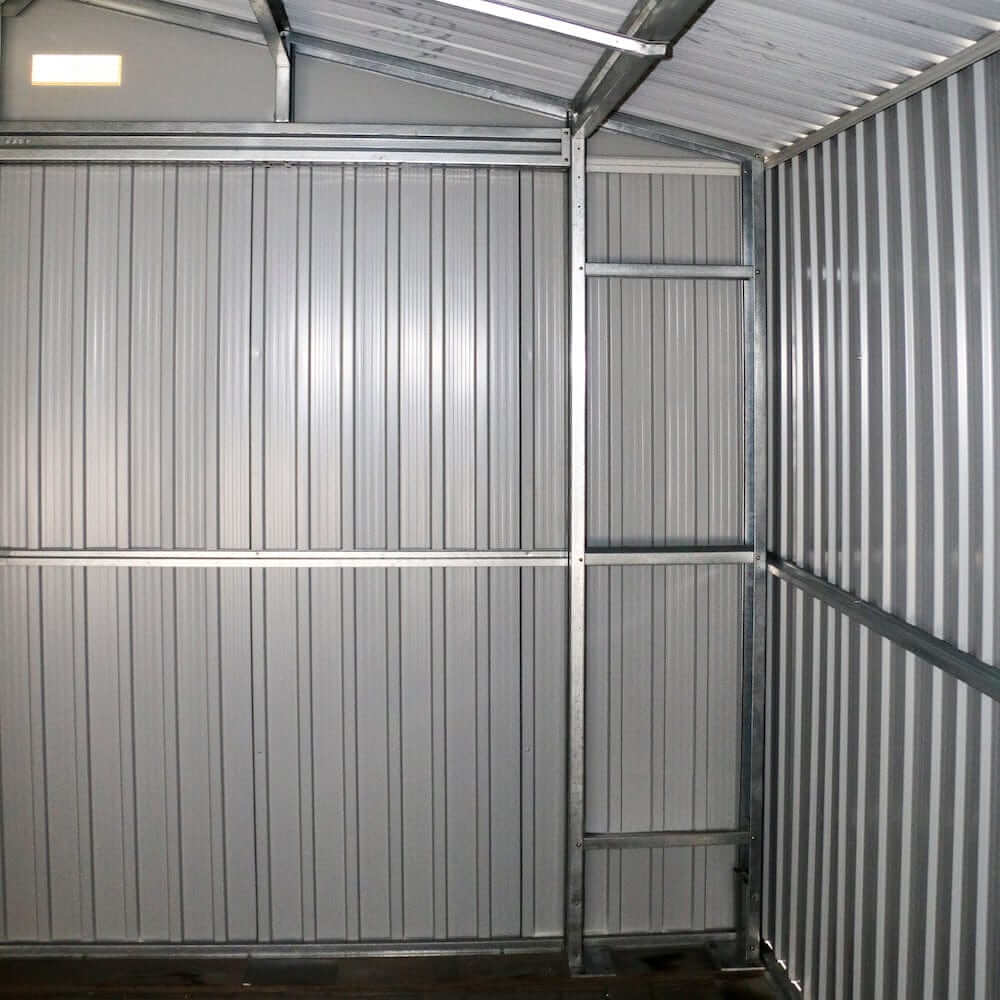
[
  {"x": 734, "y": 272},
  {"x": 681, "y": 138},
  {"x": 296, "y": 131},
  {"x": 560, "y": 26},
  {"x": 685, "y": 165},
  {"x": 695, "y": 555},
  {"x": 347, "y": 949},
  {"x": 617, "y": 73},
  {"x": 664, "y": 838},
  {"x": 230, "y": 559},
  {"x": 173, "y": 142},
  {"x": 661, "y": 941},
  {"x": 962, "y": 666}
]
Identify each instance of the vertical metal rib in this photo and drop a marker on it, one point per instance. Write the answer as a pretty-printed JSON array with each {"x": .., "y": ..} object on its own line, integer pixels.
[
  {"x": 577, "y": 545},
  {"x": 755, "y": 598},
  {"x": 274, "y": 26}
]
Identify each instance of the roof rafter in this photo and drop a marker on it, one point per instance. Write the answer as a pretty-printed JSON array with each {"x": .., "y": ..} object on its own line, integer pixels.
[{"x": 617, "y": 74}]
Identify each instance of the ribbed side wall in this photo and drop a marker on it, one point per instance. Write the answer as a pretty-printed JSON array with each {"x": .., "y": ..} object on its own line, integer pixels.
[{"x": 883, "y": 818}]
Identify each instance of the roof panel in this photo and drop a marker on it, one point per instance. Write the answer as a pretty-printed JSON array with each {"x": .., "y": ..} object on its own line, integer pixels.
[
  {"x": 761, "y": 72},
  {"x": 460, "y": 40},
  {"x": 767, "y": 72}
]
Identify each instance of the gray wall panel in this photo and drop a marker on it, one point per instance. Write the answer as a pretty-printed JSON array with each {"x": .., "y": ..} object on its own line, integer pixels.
[
  {"x": 882, "y": 769},
  {"x": 334, "y": 357},
  {"x": 389, "y": 725},
  {"x": 665, "y": 396},
  {"x": 663, "y": 709},
  {"x": 883, "y": 814},
  {"x": 362, "y": 389}
]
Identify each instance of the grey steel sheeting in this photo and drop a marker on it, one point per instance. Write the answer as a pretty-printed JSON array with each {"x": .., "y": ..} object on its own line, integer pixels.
[
  {"x": 664, "y": 643},
  {"x": 665, "y": 365},
  {"x": 235, "y": 359},
  {"x": 883, "y": 770},
  {"x": 883, "y": 814},
  {"x": 766, "y": 72},
  {"x": 281, "y": 755},
  {"x": 451, "y": 292},
  {"x": 664, "y": 668}
]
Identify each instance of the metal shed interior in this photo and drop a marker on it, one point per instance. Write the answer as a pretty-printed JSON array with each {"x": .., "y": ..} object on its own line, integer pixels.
[{"x": 504, "y": 477}]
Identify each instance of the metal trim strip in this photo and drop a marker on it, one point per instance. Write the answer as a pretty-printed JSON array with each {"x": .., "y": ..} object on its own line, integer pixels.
[
  {"x": 205, "y": 558},
  {"x": 734, "y": 272},
  {"x": 664, "y": 838}
]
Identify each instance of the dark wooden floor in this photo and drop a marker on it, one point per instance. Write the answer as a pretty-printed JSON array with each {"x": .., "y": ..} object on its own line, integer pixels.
[{"x": 633, "y": 976}]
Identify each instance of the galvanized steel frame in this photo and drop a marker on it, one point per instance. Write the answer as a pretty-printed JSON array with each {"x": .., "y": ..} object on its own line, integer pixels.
[
  {"x": 755, "y": 593},
  {"x": 384, "y": 144},
  {"x": 282, "y": 143},
  {"x": 273, "y": 21},
  {"x": 752, "y": 555},
  {"x": 618, "y": 73},
  {"x": 962, "y": 666}
]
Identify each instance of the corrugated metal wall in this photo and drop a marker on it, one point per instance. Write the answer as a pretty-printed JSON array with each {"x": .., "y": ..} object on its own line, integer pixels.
[
  {"x": 241, "y": 357},
  {"x": 203, "y": 357},
  {"x": 290, "y": 358},
  {"x": 665, "y": 458},
  {"x": 282, "y": 755},
  {"x": 884, "y": 813}
]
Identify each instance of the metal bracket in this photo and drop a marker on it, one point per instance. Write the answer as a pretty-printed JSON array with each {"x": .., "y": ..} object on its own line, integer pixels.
[
  {"x": 273, "y": 21},
  {"x": 617, "y": 73}
]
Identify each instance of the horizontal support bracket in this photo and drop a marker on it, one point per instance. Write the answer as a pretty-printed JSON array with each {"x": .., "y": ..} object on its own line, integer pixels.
[
  {"x": 265, "y": 559},
  {"x": 960, "y": 665},
  {"x": 698, "y": 555},
  {"x": 283, "y": 143},
  {"x": 664, "y": 838},
  {"x": 726, "y": 272}
]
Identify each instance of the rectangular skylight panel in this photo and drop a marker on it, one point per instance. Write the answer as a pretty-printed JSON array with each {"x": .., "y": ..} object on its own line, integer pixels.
[{"x": 51, "y": 70}]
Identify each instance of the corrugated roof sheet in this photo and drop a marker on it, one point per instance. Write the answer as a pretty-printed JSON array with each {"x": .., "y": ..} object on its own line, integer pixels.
[
  {"x": 766, "y": 72},
  {"x": 761, "y": 72},
  {"x": 460, "y": 40}
]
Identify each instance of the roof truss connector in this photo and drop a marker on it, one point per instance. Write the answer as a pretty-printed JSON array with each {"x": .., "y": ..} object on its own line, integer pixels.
[
  {"x": 560, "y": 26},
  {"x": 274, "y": 26},
  {"x": 618, "y": 73}
]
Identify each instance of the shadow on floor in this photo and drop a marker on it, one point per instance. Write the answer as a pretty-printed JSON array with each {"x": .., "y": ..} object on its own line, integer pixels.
[{"x": 631, "y": 975}]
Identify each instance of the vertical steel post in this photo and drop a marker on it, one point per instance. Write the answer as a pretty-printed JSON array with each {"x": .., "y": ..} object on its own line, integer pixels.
[
  {"x": 755, "y": 591},
  {"x": 577, "y": 547}
]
